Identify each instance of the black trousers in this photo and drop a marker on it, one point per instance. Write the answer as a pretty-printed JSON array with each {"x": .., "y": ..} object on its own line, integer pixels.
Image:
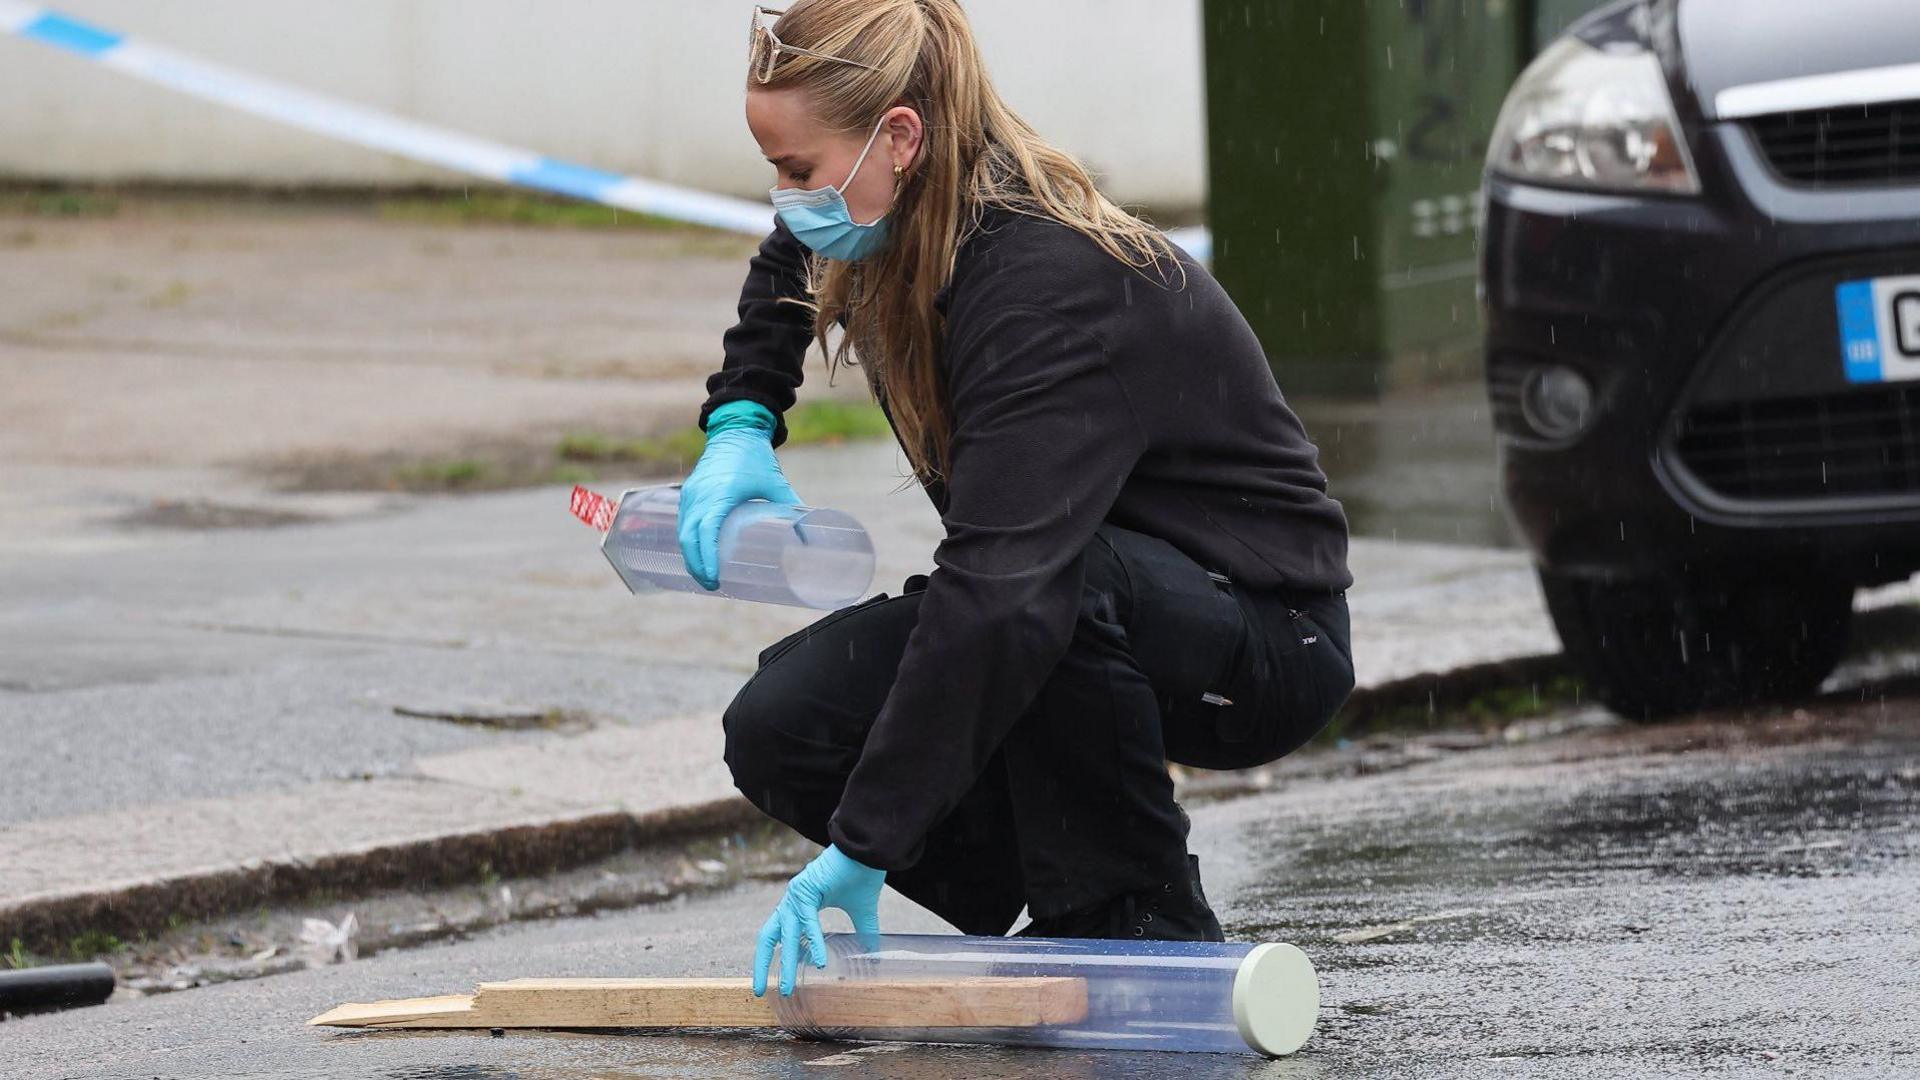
[{"x": 1166, "y": 663}]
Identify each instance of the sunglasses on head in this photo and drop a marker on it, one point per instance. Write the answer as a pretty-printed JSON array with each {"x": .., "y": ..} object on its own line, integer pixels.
[{"x": 764, "y": 47}]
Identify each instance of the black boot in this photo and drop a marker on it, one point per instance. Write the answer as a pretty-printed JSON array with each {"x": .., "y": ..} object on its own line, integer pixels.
[{"x": 1176, "y": 911}]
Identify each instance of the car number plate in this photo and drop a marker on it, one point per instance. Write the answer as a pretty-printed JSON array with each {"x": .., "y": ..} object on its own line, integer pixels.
[{"x": 1880, "y": 328}]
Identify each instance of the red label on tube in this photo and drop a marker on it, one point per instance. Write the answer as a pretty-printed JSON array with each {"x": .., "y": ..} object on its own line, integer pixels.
[{"x": 593, "y": 510}]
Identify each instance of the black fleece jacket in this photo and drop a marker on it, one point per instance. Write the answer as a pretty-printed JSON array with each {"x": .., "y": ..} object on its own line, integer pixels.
[{"x": 1082, "y": 391}]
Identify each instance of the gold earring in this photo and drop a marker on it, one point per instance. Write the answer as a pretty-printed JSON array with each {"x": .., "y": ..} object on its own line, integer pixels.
[{"x": 899, "y": 171}]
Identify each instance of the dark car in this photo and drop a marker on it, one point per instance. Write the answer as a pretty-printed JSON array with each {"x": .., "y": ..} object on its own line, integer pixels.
[{"x": 1701, "y": 266}]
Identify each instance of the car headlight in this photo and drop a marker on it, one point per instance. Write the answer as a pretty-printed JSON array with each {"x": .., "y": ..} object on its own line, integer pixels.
[{"x": 1593, "y": 118}]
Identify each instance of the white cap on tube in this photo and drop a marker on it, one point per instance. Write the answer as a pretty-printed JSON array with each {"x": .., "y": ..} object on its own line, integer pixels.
[{"x": 1276, "y": 999}]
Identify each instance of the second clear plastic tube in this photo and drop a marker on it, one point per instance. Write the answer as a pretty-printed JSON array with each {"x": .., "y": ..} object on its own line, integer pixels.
[
  {"x": 1119, "y": 995},
  {"x": 799, "y": 556}
]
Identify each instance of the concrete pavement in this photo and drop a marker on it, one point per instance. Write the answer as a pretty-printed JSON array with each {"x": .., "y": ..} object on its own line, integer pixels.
[
  {"x": 202, "y": 333},
  {"x": 210, "y": 713}
]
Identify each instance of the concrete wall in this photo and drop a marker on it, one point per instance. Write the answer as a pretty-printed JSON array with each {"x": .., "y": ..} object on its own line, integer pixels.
[{"x": 649, "y": 87}]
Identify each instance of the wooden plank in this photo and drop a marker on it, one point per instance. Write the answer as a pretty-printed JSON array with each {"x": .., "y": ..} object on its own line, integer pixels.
[
  {"x": 729, "y": 1003},
  {"x": 947, "y": 1003},
  {"x": 431, "y": 1012},
  {"x": 624, "y": 1003}
]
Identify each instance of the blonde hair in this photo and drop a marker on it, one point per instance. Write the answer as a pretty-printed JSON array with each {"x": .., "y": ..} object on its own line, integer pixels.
[{"x": 976, "y": 153}]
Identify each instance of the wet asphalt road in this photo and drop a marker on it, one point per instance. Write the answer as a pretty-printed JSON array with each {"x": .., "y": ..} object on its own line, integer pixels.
[{"x": 1730, "y": 896}]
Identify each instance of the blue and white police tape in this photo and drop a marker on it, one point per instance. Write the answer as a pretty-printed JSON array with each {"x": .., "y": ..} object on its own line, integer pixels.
[
  {"x": 397, "y": 135},
  {"x": 377, "y": 130}
]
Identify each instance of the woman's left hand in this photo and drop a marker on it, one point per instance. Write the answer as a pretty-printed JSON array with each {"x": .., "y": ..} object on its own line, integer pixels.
[{"x": 833, "y": 880}]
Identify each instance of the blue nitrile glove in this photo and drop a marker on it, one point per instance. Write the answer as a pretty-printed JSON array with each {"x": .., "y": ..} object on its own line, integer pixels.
[
  {"x": 737, "y": 465},
  {"x": 830, "y": 881}
]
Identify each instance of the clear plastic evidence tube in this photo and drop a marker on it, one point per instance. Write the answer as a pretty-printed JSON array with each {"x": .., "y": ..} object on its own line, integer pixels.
[
  {"x": 1115, "y": 995},
  {"x": 800, "y": 556}
]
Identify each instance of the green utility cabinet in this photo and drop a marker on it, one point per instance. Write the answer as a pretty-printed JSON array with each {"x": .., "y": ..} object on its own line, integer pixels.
[
  {"x": 1346, "y": 141},
  {"x": 1552, "y": 16}
]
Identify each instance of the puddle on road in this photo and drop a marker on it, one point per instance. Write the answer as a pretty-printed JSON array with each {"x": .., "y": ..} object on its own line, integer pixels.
[
  {"x": 1828, "y": 818},
  {"x": 1834, "y": 813},
  {"x": 1680, "y": 907}
]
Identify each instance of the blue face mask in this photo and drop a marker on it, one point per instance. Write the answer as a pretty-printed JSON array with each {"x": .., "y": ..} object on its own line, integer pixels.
[{"x": 821, "y": 220}]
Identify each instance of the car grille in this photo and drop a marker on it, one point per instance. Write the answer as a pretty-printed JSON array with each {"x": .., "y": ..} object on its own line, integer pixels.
[
  {"x": 1856, "y": 144},
  {"x": 1850, "y": 444}
]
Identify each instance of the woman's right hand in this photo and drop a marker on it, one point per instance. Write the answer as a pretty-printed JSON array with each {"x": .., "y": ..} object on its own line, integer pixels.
[{"x": 738, "y": 464}]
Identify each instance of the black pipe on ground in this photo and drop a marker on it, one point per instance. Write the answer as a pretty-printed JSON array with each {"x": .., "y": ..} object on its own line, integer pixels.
[{"x": 61, "y": 986}]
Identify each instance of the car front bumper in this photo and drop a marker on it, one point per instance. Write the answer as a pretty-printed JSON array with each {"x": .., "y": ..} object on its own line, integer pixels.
[{"x": 1700, "y": 322}]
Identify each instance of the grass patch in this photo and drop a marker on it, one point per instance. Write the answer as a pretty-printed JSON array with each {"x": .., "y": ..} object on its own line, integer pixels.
[
  {"x": 677, "y": 451},
  {"x": 519, "y": 208},
  {"x": 17, "y": 957},
  {"x": 580, "y": 457},
  {"x": 1485, "y": 698},
  {"x": 460, "y": 474},
  {"x": 65, "y": 203},
  {"x": 93, "y": 944},
  {"x": 815, "y": 422},
  {"x": 834, "y": 422}
]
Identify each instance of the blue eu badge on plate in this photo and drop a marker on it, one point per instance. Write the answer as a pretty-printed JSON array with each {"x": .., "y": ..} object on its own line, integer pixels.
[{"x": 1880, "y": 328}]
